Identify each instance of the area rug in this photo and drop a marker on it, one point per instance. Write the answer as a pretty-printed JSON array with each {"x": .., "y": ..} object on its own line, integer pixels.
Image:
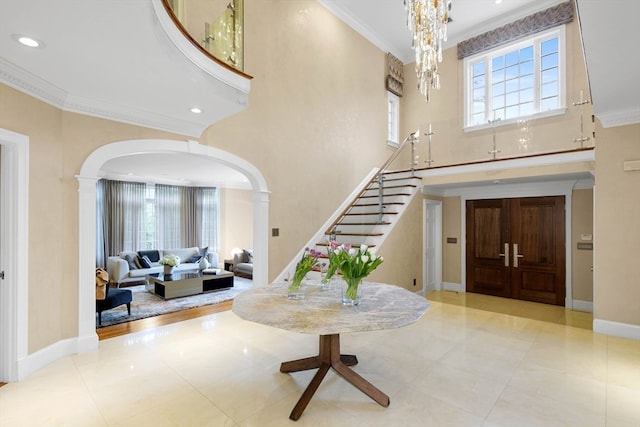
[{"x": 146, "y": 304}]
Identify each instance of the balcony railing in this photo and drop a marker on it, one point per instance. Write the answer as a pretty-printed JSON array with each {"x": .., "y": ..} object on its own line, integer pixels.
[{"x": 215, "y": 27}]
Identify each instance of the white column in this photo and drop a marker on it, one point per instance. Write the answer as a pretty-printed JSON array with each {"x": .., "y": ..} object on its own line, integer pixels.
[
  {"x": 87, "y": 337},
  {"x": 261, "y": 237}
]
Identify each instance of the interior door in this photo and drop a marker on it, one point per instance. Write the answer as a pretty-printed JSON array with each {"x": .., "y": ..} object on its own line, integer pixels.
[
  {"x": 538, "y": 245},
  {"x": 516, "y": 248},
  {"x": 487, "y": 240}
]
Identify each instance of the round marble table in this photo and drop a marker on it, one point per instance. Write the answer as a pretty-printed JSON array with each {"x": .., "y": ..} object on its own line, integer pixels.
[{"x": 322, "y": 313}]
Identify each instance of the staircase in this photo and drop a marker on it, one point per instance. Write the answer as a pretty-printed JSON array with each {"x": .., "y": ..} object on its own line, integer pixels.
[{"x": 370, "y": 212}]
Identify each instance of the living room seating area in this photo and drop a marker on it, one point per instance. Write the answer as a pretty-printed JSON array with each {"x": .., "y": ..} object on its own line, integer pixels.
[{"x": 131, "y": 266}]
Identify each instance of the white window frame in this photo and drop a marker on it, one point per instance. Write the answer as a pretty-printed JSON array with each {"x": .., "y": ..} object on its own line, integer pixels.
[
  {"x": 487, "y": 56},
  {"x": 393, "y": 119}
]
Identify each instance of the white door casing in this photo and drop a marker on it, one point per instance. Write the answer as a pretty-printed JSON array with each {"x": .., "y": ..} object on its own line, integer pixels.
[
  {"x": 432, "y": 246},
  {"x": 14, "y": 251}
]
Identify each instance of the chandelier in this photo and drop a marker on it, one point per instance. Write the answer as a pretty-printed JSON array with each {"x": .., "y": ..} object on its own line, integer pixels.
[{"x": 427, "y": 21}]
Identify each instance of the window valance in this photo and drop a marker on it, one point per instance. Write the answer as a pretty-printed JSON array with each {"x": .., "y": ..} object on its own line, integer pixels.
[{"x": 548, "y": 18}]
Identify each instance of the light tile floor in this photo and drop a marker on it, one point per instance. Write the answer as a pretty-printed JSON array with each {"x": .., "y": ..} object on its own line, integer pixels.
[{"x": 457, "y": 366}]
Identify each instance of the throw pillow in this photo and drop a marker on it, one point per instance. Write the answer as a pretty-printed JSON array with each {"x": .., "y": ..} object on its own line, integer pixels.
[
  {"x": 249, "y": 255},
  {"x": 153, "y": 255},
  {"x": 203, "y": 251},
  {"x": 131, "y": 262},
  {"x": 194, "y": 258},
  {"x": 145, "y": 262},
  {"x": 136, "y": 261}
]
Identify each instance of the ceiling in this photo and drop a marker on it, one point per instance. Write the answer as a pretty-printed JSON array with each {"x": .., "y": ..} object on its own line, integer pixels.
[{"x": 118, "y": 59}]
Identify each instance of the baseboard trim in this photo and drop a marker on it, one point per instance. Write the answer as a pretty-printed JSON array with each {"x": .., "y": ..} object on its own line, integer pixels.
[
  {"x": 582, "y": 305},
  {"x": 455, "y": 287},
  {"x": 623, "y": 330},
  {"x": 58, "y": 350}
]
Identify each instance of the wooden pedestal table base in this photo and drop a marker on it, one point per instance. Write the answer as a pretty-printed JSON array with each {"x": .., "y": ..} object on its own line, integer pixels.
[{"x": 329, "y": 357}]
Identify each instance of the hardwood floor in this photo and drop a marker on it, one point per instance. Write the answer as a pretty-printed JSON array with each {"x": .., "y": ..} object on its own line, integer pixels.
[{"x": 165, "y": 319}]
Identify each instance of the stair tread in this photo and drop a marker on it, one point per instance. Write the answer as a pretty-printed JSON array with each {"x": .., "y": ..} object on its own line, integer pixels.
[
  {"x": 376, "y": 204},
  {"x": 390, "y": 186},
  {"x": 384, "y": 195},
  {"x": 355, "y": 245},
  {"x": 355, "y": 234},
  {"x": 370, "y": 213},
  {"x": 365, "y": 223}
]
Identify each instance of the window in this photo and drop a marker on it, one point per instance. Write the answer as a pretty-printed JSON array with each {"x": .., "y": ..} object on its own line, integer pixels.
[
  {"x": 393, "y": 118},
  {"x": 523, "y": 79}
]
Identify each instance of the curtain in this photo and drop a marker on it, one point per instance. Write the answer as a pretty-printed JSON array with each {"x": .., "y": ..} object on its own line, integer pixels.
[
  {"x": 120, "y": 217},
  {"x": 191, "y": 208},
  {"x": 133, "y": 216},
  {"x": 210, "y": 215},
  {"x": 168, "y": 217}
]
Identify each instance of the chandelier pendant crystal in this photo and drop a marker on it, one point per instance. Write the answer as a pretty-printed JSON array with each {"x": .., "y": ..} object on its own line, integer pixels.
[{"x": 427, "y": 21}]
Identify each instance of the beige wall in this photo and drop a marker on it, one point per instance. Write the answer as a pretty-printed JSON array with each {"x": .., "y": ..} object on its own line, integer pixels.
[
  {"x": 451, "y": 145},
  {"x": 316, "y": 121},
  {"x": 451, "y": 227},
  {"x": 581, "y": 259},
  {"x": 236, "y": 222},
  {"x": 616, "y": 291},
  {"x": 315, "y": 127}
]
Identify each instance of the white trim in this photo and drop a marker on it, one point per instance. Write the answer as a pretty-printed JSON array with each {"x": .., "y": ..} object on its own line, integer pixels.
[
  {"x": 429, "y": 204},
  {"x": 618, "y": 118},
  {"x": 349, "y": 18},
  {"x": 486, "y": 57},
  {"x": 453, "y": 287},
  {"x": 14, "y": 253},
  {"x": 199, "y": 59},
  {"x": 583, "y": 306},
  {"x": 393, "y": 119},
  {"x": 624, "y": 330}
]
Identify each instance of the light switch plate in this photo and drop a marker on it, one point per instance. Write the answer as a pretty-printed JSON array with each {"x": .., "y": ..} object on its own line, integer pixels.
[{"x": 586, "y": 237}]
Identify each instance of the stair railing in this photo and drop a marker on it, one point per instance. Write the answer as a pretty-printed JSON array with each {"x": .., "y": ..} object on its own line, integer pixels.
[{"x": 379, "y": 177}]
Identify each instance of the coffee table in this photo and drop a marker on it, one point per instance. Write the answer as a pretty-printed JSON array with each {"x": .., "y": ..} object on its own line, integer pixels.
[
  {"x": 322, "y": 313},
  {"x": 182, "y": 284}
]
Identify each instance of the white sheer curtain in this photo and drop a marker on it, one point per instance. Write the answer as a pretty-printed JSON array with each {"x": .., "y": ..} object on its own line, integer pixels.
[
  {"x": 132, "y": 216},
  {"x": 120, "y": 217},
  {"x": 210, "y": 218},
  {"x": 168, "y": 216}
]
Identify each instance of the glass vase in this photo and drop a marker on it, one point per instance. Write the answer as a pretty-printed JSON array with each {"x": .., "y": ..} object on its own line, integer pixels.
[
  {"x": 352, "y": 293},
  {"x": 296, "y": 289}
]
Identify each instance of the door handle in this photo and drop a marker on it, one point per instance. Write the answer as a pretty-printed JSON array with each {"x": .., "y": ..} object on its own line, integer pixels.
[
  {"x": 516, "y": 255},
  {"x": 505, "y": 255}
]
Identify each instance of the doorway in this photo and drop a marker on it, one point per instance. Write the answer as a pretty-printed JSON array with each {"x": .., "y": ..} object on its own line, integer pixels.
[
  {"x": 432, "y": 246},
  {"x": 515, "y": 248}
]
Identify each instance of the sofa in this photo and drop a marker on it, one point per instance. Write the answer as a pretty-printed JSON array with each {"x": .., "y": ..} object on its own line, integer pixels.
[
  {"x": 130, "y": 266},
  {"x": 243, "y": 263}
]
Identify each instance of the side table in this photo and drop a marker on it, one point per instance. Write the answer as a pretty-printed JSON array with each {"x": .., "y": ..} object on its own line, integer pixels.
[{"x": 228, "y": 265}]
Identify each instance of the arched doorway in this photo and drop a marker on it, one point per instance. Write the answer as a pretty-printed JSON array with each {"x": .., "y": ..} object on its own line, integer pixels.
[{"x": 87, "y": 338}]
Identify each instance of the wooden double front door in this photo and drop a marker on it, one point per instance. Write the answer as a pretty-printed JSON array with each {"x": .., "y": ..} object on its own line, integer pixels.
[{"x": 516, "y": 248}]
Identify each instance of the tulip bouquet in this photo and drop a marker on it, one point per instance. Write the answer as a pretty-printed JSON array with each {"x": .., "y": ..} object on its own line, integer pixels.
[
  {"x": 354, "y": 265},
  {"x": 307, "y": 262}
]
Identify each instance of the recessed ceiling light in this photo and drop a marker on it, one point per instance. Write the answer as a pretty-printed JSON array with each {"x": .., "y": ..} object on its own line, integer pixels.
[
  {"x": 498, "y": 1},
  {"x": 196, "y": 110},
  {"x": 27, "y": 41}
]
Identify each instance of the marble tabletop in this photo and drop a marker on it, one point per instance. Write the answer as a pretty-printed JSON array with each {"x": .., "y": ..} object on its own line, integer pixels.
[{"x": 321, "y": 312}]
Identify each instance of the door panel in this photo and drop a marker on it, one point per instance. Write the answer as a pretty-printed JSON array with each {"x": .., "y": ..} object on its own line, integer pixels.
[
  {"x": 515, "y": 248},
  {"x": 486, "y": 235},
  {"x": 538, "y": 229}
]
